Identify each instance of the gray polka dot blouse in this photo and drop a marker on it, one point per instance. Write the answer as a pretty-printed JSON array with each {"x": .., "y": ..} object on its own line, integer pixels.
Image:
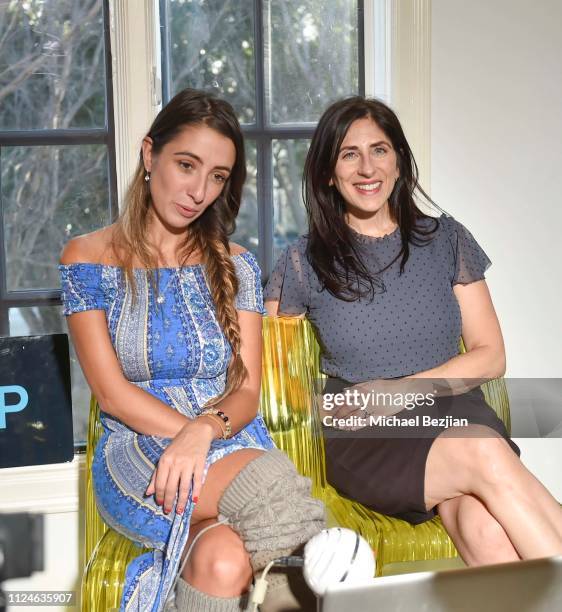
[{"x": 412, "y": 324}]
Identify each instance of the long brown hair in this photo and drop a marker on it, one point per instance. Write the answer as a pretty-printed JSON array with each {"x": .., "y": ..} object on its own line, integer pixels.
[
  {"x": 332, "y": 248},
  {"x": 209, "y": 233}
]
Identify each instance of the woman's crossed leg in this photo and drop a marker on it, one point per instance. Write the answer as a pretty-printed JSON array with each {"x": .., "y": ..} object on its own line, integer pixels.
[{"x": 493, "y": 508}]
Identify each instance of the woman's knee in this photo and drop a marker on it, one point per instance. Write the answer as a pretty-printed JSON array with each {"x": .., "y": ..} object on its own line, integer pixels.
[
  {"x": 465, "y": 464},
  {"x": 495, "y": 465},
  {"x": 219, "y": 559},
  {"x": 229, "y": 567}
]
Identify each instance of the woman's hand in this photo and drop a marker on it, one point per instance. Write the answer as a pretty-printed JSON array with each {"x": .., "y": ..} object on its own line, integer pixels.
[
  {"x": 387, "y": 397},
  {"x": 182, "y": 461}
]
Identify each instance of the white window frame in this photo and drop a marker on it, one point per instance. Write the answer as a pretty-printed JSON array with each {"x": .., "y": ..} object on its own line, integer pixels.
[
  {"x": 411, "y": 77},
  {"x": 398, "y": 69},
  {"x": 137, "y": 87}
]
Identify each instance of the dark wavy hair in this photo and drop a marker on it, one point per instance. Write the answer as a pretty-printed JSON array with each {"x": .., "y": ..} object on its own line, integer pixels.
[
  {"x": 209, "y": 232},
  {"x": 332, "y": 249}
]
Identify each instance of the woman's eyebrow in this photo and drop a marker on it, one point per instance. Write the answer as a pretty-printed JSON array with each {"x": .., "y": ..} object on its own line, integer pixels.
[
  {"x": 197, "y": 158},
  {"x": 374, "y": 144}
]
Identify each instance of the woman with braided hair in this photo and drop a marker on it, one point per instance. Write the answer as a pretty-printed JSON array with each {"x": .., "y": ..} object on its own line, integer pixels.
[{"x": 165, "y": 314}]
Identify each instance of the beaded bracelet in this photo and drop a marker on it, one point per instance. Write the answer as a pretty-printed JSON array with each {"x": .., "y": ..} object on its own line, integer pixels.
[{"x": 221, "y": 415}]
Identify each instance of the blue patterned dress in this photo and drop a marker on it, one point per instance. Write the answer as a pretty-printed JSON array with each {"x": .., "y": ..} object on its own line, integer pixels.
[{"x": 176, "y": 351}]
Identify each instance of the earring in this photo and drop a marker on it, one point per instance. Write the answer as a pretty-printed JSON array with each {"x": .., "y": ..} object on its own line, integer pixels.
[{"x": 147, "y": 176}]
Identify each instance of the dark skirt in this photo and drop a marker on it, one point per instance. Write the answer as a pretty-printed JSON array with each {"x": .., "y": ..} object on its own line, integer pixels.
[{"x": 383, "y": 467}]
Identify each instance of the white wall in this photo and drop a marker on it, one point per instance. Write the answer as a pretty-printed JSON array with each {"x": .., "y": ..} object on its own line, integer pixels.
[
  {"x": 496, "y": 165},
  {"x": 497, "y": 158}
]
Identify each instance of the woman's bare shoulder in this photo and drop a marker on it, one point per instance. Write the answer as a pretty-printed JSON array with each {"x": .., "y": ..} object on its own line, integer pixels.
[
  {"x": 95, "y": 247},
  {"x": 236, "y": 249}
]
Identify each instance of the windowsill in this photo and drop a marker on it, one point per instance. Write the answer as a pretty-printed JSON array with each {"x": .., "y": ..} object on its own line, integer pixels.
[{"x": 42, "y": 489}]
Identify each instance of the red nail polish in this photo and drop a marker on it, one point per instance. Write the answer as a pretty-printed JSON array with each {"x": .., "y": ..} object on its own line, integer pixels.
[
  {"x": 179, "y": 510},
  {"x": 195, "y": 499}
]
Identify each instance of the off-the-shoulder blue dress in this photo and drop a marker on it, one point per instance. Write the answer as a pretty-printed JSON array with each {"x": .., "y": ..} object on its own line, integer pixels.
[{"x": 174, "y": 349}]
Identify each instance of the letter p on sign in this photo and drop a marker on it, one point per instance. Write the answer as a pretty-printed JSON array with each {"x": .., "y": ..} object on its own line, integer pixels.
[{"x": 5, "y": 408}]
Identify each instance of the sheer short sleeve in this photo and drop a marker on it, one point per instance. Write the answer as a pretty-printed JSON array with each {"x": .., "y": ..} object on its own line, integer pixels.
[
  {"x": 289, "y": 281},
  {"x": 82, "y": 287},
  {"x": 470, "y": 262},
  {"x": 250, "y": 296}
]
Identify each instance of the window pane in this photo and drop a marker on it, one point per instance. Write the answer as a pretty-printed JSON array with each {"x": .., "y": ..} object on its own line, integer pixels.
[
  {"x": 312, "y": 56},
  {"x": 212, "y": 48},
  {"x": 289, "y": 215},
  {"x": 49, "y": 194},
  {"x": 37, "y": 320},
  {"x": 246, "y": 232},
  {"x": 52, "y": 72}
]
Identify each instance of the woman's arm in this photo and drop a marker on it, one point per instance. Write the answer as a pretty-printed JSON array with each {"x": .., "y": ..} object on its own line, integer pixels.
[
  {"x": 484, "y": 358},
  {"x": 481, "y": 333},
  {"x": 135, "y": 407},
  {"x": 241, "y": 406},
  {"x": 272, "y": 308}
]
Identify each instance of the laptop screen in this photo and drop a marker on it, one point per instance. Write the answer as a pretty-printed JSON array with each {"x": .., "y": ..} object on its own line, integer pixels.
[{"x": 524, "y": 586}]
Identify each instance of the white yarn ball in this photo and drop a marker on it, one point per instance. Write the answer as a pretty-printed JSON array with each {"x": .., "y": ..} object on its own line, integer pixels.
[{"x": 336, "y": 556}]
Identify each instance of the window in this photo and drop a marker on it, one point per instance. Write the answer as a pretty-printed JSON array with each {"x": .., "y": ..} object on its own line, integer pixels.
[
  {"x": 57, "y": 156},
  {"x": 279, "y": 63}
]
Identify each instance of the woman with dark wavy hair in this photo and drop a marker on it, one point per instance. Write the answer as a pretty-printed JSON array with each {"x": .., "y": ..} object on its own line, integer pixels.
[
  {"x": 165, "y": 314},
  {"x": 390, "y": 291}
]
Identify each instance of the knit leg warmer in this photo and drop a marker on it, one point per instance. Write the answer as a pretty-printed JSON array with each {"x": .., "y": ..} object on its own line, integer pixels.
[
  {"x": 270, "y": 506},
  {"x": 189, "y": 599}
]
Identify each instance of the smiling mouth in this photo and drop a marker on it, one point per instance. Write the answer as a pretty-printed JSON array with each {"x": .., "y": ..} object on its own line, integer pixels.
[{"x": 369, "y": 188}]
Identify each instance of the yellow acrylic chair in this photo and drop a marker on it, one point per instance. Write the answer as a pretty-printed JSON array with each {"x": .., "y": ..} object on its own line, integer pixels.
[{"x": 290, "y": 370}]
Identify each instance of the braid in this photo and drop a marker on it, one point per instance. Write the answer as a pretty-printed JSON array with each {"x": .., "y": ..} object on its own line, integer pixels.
[{"x": 223, "y": 285}]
